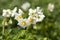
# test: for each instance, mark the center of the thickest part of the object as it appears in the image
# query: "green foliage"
(48, 29)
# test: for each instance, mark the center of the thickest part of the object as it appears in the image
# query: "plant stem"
(3, 23)
(3, 30)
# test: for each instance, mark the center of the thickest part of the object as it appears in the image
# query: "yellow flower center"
(19, 17)
(31, 19)
(23, 23)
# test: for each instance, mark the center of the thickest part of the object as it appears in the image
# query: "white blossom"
(31, 20)
(23, 23)
(50, 7)
(18, 17)
(39, 18)
(6, 13)
(25, 6)
(32, 12)
(9, 12)
(38, 9)
(20, 12)
(36, 14)
(13, 12)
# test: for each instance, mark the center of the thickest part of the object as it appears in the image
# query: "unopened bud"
(10, 21)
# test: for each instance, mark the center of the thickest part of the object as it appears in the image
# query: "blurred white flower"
(18, 17)
(6, 13)
(13, 12)
(32, 12)
(36, 15)
(25, 6)
(20, 12)
(31, 20)
(39, 18)
(23, 23)
(38, 9)
(50, 7)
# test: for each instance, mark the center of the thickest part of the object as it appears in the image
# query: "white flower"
(38, 9)
(13, 12)
(36, 15)
(6, 13)
(18, 17)
(20, 12)
(32, 12)
(39, 18)
(31, 20)
(23, 23)
(25, 6)
(50, 7)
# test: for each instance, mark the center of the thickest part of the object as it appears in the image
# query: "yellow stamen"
(31, 19)
(23, 23)
(19, 17)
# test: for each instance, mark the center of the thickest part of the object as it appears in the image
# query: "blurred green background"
(48, 29)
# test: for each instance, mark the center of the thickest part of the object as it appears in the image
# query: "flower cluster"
(35, 15)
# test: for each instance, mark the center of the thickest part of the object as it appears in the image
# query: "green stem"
(27, 28)
(3, 23)
(3, 30)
